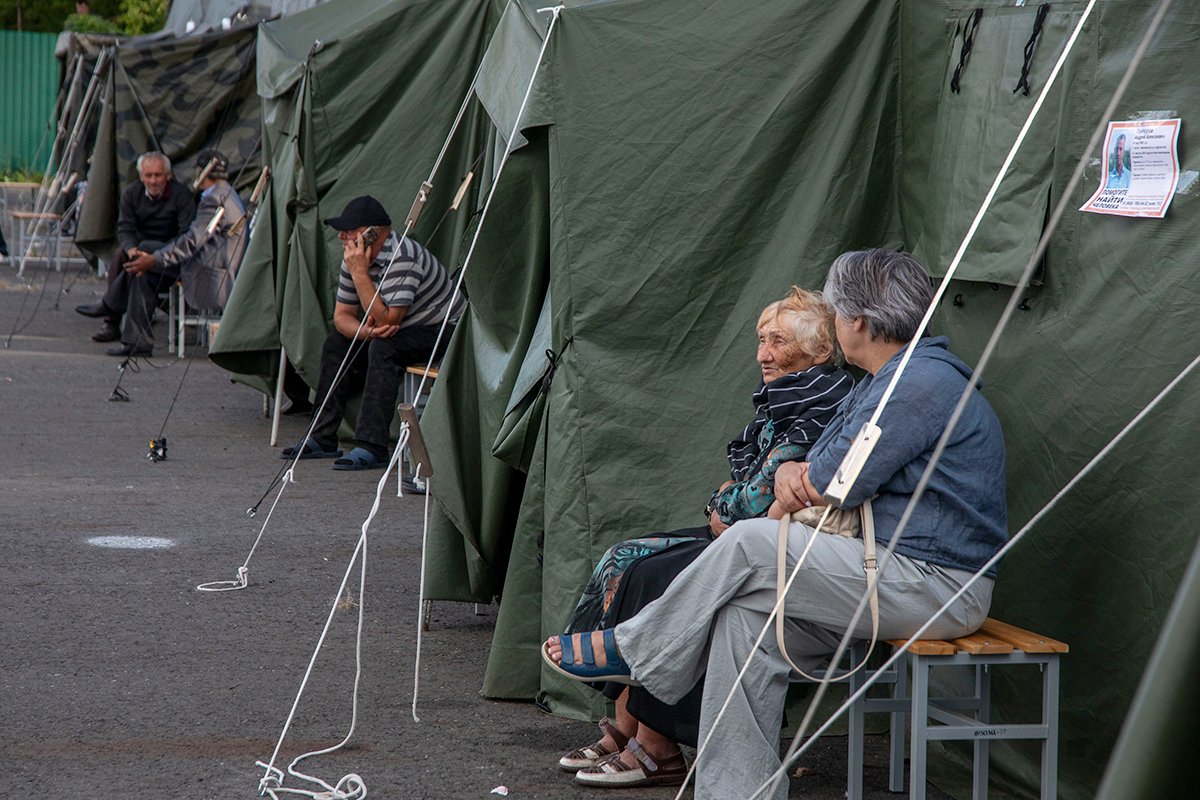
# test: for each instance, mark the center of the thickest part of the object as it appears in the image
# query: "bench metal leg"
(920, 726)
(172, 313)
(899, 725)
(857, 724)
(1050, 720)
(983, 692)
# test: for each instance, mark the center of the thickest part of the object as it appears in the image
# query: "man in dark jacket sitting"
(205, 257)
(154, 208)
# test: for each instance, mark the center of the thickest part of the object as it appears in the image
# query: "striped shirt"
(416, 280)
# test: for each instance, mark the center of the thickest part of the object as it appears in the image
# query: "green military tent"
(678, 167)
(684, 165)
(357, 98)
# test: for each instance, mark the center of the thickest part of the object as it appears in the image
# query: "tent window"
(977, 118)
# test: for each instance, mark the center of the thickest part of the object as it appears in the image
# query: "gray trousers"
(706, 623)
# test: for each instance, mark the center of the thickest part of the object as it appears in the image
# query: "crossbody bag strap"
(870, 566)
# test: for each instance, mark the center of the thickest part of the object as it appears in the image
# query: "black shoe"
(296, 407)
(130, 350)
(97, 309)
(107, 333)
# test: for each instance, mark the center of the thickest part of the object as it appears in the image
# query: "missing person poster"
(1140, 169)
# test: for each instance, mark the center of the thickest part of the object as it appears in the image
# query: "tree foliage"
(143, 16)
(51, 16)
(48, 16)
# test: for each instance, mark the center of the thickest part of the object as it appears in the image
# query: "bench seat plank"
(981, 644)
(927, 647)
(1021, 639)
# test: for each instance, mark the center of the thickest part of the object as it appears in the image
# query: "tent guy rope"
(858, 454)
(352, 787)
(286, 473)
(794, 750)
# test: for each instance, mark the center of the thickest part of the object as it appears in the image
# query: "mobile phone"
(370, 236)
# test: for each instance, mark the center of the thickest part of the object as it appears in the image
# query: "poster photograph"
(1139, 170)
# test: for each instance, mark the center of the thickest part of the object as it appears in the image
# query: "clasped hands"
(793, 490)
(138, 261)
(372, 331)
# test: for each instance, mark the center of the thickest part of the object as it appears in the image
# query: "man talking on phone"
(392, 296)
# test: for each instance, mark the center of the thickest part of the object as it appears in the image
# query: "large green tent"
(679, 166)
(357, 98)
(685, 164)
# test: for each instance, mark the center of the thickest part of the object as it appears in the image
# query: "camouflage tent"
(178, 96)
(186, 88)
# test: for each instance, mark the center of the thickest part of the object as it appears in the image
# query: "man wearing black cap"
(154, 209)
(401, 293)
(205, 256)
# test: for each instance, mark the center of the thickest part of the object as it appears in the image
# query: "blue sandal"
(308, 448)
(359, 458)
(615, 670)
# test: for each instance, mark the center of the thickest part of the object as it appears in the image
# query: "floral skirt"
(597, 595)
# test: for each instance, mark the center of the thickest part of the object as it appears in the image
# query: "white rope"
(243, 574)
(242, 579)
(554, 12)
(983, 208)
(271, 782)
(1043, 243)
(351, 786)
(972, 384)
(875, 416)
(421, 595)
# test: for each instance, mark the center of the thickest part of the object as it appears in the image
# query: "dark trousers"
(134, 297)
(644, 581)
(377, 367)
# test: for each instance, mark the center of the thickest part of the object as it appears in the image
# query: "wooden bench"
(958, 717)
(969, 718)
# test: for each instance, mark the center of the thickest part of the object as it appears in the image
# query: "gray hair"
(890, 291)
(151, 154)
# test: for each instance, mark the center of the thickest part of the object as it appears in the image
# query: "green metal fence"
(29, 76)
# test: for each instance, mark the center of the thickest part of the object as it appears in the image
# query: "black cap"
(360, 211)
(220, 170)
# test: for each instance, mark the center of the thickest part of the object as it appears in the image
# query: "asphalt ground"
(118, 679)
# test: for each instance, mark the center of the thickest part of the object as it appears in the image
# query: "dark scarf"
(795, 409)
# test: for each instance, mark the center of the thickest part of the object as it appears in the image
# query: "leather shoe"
(97, 309)
(107, 333)
(130, 350)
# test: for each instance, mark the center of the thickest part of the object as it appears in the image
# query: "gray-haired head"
(890, 291)
(154, 154)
